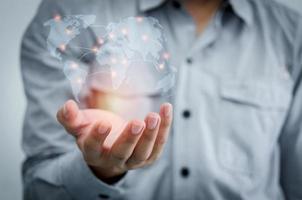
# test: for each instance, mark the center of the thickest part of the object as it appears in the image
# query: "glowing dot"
(74, 65)
(79, 80)
(57, 18)
(161, 66)
(124, 31)
(166, 55)
(124, 61)
(111, 35)
(95, 49)
(139, 18)
(62, 47)
(113, 60)
(101, 41)
(68, 31)
(145, 37)
(113, 74)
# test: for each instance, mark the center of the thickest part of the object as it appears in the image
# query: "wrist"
(109, 177)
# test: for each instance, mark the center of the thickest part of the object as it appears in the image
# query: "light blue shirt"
(237, 131)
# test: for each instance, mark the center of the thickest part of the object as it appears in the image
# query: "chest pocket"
(252, 115)
(264, 95)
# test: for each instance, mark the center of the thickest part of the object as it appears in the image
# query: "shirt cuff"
(80, 181)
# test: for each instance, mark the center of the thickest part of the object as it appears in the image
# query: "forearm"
(65, 177)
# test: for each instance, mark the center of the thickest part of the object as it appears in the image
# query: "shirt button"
(186, 114)
(185, 172)
(176, 5)
(189, 61)
(103, 196)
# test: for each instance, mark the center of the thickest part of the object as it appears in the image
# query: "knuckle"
(152, 159)
(118, 157)
(149, 162)
(138, 159)
(134, 164)
(155, 156)
(87, 146)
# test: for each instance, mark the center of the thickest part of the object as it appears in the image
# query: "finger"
(94, 140)
(145, 144)
(71, 117)
(166, 114)
(125, 144)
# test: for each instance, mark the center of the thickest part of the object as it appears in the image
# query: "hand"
(110, 145)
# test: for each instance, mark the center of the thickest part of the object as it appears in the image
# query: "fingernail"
(65, 111)
(167, 110)
(152, 122)
(136, 128)
(103, 129)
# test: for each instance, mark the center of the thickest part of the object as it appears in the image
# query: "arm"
(58, 165)
(54, 166)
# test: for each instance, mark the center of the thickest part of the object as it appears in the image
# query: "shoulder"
(275, 15)
(281, 26)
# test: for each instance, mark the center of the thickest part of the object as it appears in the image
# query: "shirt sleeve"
(54, 167)
(291, 138)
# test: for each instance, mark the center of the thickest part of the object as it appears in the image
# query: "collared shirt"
(237, 131)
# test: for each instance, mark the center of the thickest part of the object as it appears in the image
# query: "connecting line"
(79, 47)
(85, 54)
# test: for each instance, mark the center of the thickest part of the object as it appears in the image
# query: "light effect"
(57, 18)
(124, 61)
(124, 31)
(166, 56)
(130, 55)
(79, 81)
(145, 37)
(113, 74)
(95, 49)
(68, 31)
(111, 36)
(62, 47)
(113, 60)
(74, 65)
(101, 41)
(139, 19)
(161, 66)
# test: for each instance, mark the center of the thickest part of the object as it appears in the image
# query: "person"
(236, 133)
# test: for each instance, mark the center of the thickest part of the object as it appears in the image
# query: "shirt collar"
(145, 5)
(241, 8)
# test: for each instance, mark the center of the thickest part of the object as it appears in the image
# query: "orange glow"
(57, 18)
(95, 49)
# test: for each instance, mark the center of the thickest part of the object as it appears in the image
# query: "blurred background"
(14, 17)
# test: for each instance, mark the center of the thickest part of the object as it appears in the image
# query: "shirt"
(237, 131)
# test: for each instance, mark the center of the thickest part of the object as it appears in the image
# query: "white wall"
(14, 16)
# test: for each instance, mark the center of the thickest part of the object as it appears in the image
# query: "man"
(237, 131)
